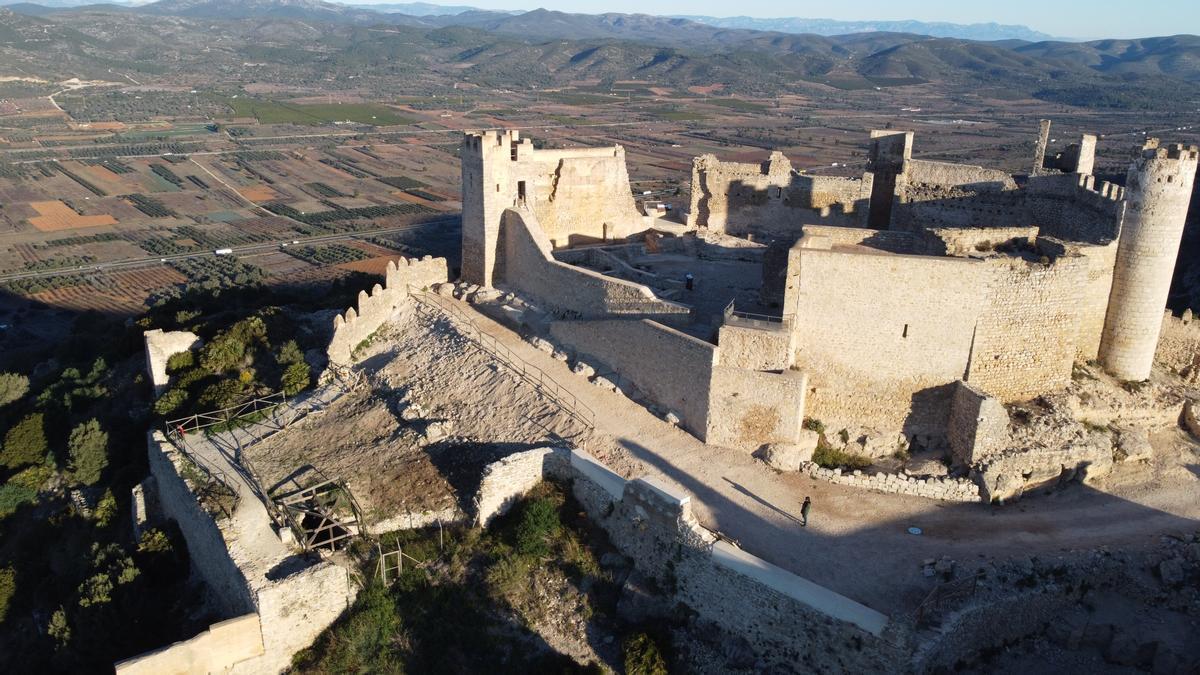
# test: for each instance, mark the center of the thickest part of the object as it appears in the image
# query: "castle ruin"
(877, 295)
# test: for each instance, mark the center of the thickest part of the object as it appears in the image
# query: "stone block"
(1134, 445)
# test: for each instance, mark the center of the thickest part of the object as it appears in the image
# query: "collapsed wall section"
(162, 345)
(374, 309)
(772, 200)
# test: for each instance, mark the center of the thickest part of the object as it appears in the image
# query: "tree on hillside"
(89, 452)
(25, 443)
(12, 387)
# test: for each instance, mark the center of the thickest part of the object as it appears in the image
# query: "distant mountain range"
(973, 31)
(352, 11)
(544, 48)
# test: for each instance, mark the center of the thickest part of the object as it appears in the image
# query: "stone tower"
(890, 154)
(1158, 190)
(486, 192)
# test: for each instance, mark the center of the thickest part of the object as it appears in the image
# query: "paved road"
(264, 247)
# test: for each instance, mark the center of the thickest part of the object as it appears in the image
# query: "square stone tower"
(486, 192)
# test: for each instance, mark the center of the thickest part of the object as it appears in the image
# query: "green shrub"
(814, 425)
(642, 656)
(363, 641)
(170, 401)
(289, 353)
(832, 458)
(177, 362)
(13, 387)
(13, 496)
(59, 628)
(89, 452)
(33, 477)
(8, 588)
(539, 524)
(296, 378)
(106, 509)
(25, 443)
(223, 394)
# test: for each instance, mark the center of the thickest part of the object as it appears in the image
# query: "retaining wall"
(942, 488)
(790, 621)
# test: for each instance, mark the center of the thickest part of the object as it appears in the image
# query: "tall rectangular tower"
(486, 193)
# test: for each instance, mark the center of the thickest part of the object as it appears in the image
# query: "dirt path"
(857, 542)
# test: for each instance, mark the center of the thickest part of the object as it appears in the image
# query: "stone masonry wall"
(224, 644)
(161, 346)
(373, 310)
(292, 608)
(943, 488)
(978, 425)
(749, 409)
(789, 621)
(206, 546)
(529, 268)
(672, 368)
(756, 348)
(881, 336)
(1025, 339)
(770, 199)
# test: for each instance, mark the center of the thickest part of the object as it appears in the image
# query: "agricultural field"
(280, 112)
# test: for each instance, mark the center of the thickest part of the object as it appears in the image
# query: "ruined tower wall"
(579, 195)
(770, 199)
(1074, 207)
(565, 289)
(1159, 190)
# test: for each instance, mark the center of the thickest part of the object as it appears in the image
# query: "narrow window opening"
(521, 190)
(905, 333)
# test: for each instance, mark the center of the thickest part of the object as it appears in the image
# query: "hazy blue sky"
(1074, 18)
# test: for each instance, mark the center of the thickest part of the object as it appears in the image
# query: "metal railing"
(542, 382)
(226, 416)
(734, 316)
(212, 472)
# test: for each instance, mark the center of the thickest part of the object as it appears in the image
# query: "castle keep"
(873, 296)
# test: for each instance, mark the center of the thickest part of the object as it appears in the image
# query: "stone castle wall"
(749, 408)
(674, 369)
(1159, 191)
(223, 645)
(579, 195)
(291, 608)
(1025, 338)
(978, 425)
(881, 335)
(206, 545)
(529, 267)
(787, 619)
(374, 309)
(772, 200)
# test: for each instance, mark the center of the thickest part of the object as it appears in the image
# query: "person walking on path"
(804, 509)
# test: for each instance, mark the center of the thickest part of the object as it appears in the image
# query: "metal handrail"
(205, 420)
(732, 312)
(540, 380)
